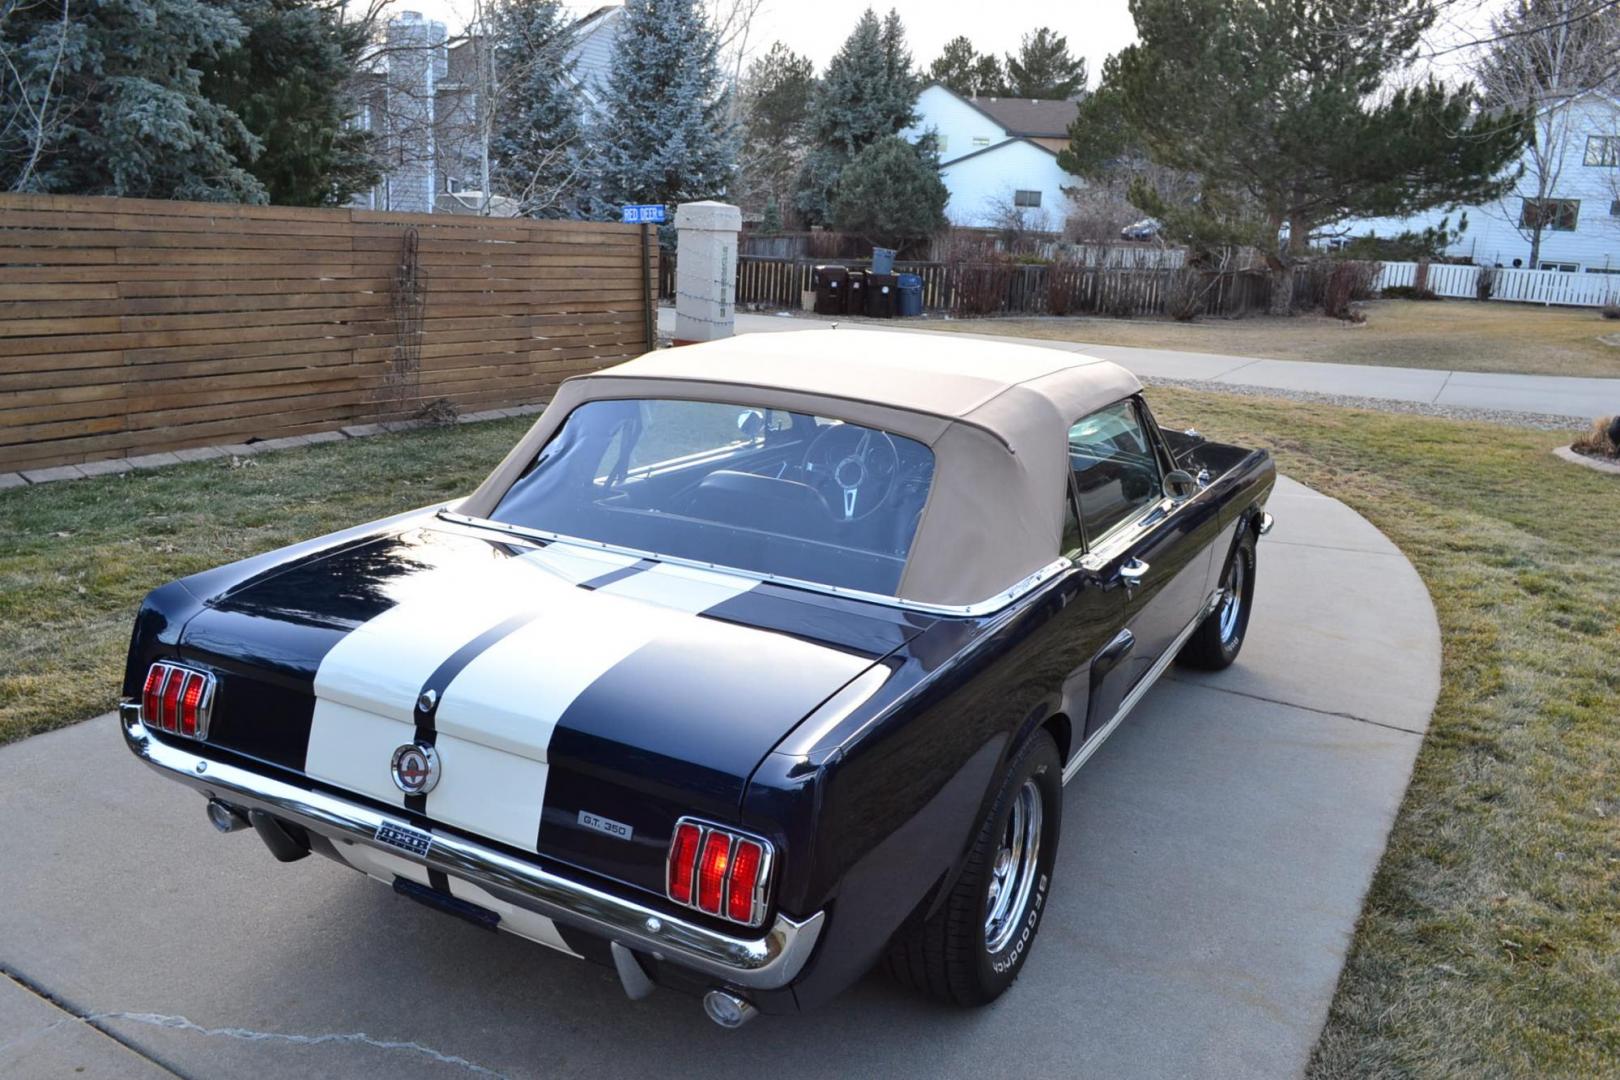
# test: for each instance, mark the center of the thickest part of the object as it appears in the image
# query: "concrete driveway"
(1214, 861)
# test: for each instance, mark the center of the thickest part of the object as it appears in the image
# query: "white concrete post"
(705, 271)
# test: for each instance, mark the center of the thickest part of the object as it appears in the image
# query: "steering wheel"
(855, 467)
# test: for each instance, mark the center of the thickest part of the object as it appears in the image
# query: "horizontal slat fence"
(131, 326)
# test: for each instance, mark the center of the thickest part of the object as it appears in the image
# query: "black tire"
(1219, 638)
(949, 956)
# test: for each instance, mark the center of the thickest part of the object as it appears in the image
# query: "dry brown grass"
(1454, 335)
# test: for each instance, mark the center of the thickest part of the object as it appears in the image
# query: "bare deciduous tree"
(1545, 54)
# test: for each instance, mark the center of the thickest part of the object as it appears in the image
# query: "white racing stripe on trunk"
(682, 588)
(495, 718)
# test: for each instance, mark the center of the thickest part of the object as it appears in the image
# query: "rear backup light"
(177, 699)
(719, 871)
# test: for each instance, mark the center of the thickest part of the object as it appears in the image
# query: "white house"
(1580, 208)
(591, 58)
(998, 155)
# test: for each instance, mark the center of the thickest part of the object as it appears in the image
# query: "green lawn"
(1490, 944)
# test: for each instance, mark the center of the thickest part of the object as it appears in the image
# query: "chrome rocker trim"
(765, 963)
(1143, 685)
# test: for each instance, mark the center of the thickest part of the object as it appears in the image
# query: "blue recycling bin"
(883, 260)
(910, 299)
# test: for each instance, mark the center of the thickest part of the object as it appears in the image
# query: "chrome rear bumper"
(757, 963)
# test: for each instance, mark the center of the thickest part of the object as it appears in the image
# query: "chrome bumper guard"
(764, 963)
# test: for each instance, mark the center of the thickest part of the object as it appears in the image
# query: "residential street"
(1215, 854)
(1554, 395)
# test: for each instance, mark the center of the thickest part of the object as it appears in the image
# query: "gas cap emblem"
(415, 768)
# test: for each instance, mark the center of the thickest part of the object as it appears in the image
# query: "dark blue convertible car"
(754, 664)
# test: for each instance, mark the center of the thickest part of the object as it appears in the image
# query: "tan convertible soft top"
(996, 416)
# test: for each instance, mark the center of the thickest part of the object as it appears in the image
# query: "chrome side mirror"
(1179, 484)
(751, 423)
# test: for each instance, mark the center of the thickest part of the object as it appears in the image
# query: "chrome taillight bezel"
(155, 713)
(762, 881)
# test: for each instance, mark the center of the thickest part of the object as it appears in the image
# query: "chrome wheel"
(1014, 869)
(1232, 601)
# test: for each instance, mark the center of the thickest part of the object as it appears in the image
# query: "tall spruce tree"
(962, 68)
(289, 82)
(1284, 113)
(537, 148)
(1044, 68)
(663, 132)
(868, 91)
(107, 99)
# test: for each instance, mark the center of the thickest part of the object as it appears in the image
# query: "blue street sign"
(652, 212)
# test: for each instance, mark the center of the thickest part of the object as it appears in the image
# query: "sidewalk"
(1551, 394)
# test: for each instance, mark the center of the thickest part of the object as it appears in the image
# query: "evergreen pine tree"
(110, 102)
(1284, 114)
(962, 68)
(663, 132)
(1044, 68)
(536, 146)
(776, 104)
(890, 195)
(869, 91)
(288, 82)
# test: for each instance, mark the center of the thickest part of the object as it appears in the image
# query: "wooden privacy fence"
(130, 326)
(1506, 283)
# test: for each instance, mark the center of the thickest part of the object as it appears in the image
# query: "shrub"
(1601, 440)
(1611, 310)
(1184, 295)
(1408, 292)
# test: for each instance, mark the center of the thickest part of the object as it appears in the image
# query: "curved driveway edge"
(1215, 856)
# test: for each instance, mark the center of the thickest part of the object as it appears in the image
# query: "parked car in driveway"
(753, 664)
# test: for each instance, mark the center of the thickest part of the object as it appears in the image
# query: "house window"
(980, 141)
(1559, 215)
(1565, 268)
(1026, 198)
(1603, 149)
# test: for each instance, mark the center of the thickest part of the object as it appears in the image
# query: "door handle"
(1133, 571)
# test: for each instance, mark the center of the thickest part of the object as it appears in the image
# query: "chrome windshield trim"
(987, 606)
(768, 962)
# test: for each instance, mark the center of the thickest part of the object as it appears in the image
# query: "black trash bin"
(882, 290)
(855, 302)
(831, 284)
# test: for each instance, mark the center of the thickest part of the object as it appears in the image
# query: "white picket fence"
(1525, 286)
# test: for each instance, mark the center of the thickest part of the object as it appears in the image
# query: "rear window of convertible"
(762, 490)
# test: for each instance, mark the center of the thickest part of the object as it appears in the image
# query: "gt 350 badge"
(606, 825)
(415, 768)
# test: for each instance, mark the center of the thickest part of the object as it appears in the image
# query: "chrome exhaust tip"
(727, 1009)
(225, 817)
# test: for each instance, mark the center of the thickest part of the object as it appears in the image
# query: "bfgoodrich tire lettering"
(964, 954)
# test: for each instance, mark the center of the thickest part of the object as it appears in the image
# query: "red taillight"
(177, 699)
(169, 714)
(152, 694)
(712, 871)
(190, 701)
(683, 862)
(719, 871)
(745, 860)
